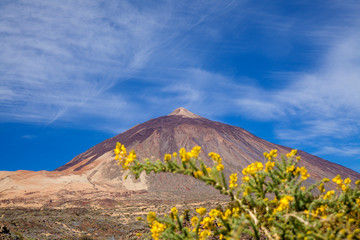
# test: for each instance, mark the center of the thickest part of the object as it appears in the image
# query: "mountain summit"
(184, 112)
(94, 174)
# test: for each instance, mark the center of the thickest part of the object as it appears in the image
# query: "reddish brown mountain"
(94, 174)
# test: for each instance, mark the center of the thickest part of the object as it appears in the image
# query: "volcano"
(94, 174)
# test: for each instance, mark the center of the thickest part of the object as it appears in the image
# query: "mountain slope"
(94, 174)
(182, 128)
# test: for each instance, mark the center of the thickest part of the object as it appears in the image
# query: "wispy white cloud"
(342, 151)
(30, 137)
(317, 108)
(57, 56)
(63, 57)
(324, 100)
(309, 130)
(207, 93)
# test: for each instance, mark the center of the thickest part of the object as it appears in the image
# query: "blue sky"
(74, 73)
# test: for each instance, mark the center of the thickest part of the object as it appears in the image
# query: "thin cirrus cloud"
(58, 56)
(323, 103)
(330, 92)
(344, 151)
(112, 60)
(61, 56)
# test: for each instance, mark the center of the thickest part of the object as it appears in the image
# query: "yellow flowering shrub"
(271, 202)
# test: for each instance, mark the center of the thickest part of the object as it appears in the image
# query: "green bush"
(271, 200)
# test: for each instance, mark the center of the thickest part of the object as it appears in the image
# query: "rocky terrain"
(107, 220)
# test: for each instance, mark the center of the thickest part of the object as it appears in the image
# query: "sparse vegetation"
(120, 222)
(85, 237)
(270, 202)
(28, 223)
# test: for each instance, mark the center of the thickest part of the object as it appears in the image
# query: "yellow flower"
(233, 180)
(235, 212)
(245, 179)
(208, 169)
(292, 153)
(272, 154)
(167, 157)
(347, 181)
(201, 211)
(204, 234)
(194, 221)
(117, 151)
(195, 151)
(132, 156)
(126, 161)
(120, 152)
(175, 154)
(303, 172)
(253, 168)
(340, 182)
(344, 187)
(151, 217)
(182, 151)
(302, 188)
(321, 211)
(284, 203)
(286, 200)
(198, 174)
(220, 167)
(290, 169)
(174, 211)
(227, 214)
(208, 223)
(306, 212)
(329, 194)
(321, 187)
(215, 157)
(156, 229)
(121, 155)
(214, 213)
(259, 166)
(269, 165)
(185, 156)
(337, 180)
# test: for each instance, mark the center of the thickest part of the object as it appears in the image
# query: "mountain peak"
(184, 113)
